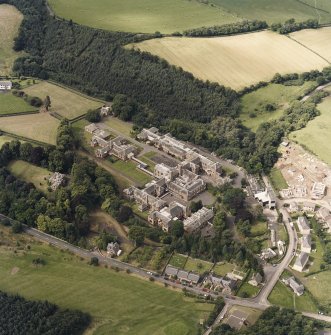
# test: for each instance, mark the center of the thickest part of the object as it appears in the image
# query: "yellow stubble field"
(235, 61)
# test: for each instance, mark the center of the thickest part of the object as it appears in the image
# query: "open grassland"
(316, 135)
(31, 174)
(235, 61)
(119, 303)
(283, 296)
(278, 11)
(317, 40)
(147, 16)
(9, 104)
(118, 125)
(254, 104)
(10, 20)
(65, 102)
(40, 127)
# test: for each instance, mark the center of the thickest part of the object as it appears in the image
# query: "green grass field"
(10, 20)
(316, 135)
(65, 102)
(223, 268)
(119, 303)
(40, 127)
(278, 11)
(259, 228)
(146, 16)
(283, 296)
(254, 104)
(277, 179)
(250, 290)
(4, 139)
(30, 173)
(130, 170)
(178, 261)
(116, 124)
(198, 265)
(9, 104)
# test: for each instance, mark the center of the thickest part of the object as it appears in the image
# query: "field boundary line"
(316, 53)
(18, 114)
(74, 91)
(25, 139)
(314, 7)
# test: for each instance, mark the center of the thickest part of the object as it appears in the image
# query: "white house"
(301, 262)
(306, 244)
(5, 85)
(303, 225)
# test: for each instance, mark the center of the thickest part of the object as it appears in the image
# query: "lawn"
(118, 125)
(198, 265)
(9, 104)
(235, 61)
(146, 158)
(250, 290)
(259, 228)
(178, 261)
(277, 179)
(317, 40)
(119, 303)
(65, 102)
(130, 170)
(254, 104)
(10, 20)
(147, 16)
(283, 296)
(40, 127)
(223, 268)
(278, 11)
(30, 173)
(316, 135)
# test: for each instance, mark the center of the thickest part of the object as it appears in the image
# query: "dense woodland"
(275, 321)
(95, 62)
(19, 316)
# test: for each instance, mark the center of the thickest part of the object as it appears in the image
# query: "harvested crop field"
(10, 20)
(65, 102)
(235, 61)
(318, 40)
(40, 127)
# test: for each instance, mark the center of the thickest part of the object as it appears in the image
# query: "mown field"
(235, 61)
(9, 104)
(147, 16)
(316, 135)
(40, 127)
(119, 303)
(317, 40)
(283, 296)
(31, 174)
(10, 20)
(254, 104)
(64, 102)
(278, 11)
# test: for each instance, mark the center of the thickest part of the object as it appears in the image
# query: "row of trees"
(227, 29)
(19, 316)
(291, 25)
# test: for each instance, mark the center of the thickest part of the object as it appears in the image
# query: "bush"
(17, 228)
(94, 261)
(93, 116)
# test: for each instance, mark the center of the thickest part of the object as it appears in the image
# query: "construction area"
(306, 176)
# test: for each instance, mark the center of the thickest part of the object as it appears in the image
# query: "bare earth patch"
(14, 270)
